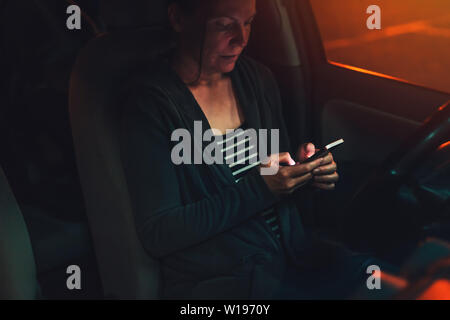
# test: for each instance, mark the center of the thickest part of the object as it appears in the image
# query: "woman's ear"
(176, 17)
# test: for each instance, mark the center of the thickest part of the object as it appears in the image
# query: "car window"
(411, 44)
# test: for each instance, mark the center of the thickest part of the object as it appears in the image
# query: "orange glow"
(443, 106)
(394, 281)
(373, 73)
(414, 27)
(412, 44)
(439, 290)
(444, 145)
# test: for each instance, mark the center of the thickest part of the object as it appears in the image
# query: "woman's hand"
(325, 176)
(290, 177)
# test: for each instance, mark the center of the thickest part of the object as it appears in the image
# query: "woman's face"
(228, 25)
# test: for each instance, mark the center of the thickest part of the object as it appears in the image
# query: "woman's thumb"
(285, 157)
(307, 150)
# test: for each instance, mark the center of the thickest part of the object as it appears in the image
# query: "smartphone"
(324, 151)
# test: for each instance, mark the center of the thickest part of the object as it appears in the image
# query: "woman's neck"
(188, 70)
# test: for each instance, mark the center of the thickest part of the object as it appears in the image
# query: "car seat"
(17, 267)
(138, 33)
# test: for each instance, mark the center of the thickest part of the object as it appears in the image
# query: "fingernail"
(316, 171)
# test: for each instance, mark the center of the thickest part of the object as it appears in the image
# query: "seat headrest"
(120, 14)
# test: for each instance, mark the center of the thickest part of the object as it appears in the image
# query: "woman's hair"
(188, 6)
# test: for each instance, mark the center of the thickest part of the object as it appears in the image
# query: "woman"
(221, 231)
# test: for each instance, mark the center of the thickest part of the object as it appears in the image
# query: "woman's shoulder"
(255, 69)
(151, 86)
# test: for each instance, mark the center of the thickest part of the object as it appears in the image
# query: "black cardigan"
(203, 226)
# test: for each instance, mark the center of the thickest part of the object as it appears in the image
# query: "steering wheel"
(373, 220)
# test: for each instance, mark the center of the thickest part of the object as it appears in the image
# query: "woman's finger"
(285, 157)
(325, 169)
(328, 159)
(275, 159)
(332, 178)
(303, 168)
(324, 186)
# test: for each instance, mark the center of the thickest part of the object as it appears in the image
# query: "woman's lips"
(230, 58)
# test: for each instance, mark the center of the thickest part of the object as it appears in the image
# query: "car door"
(375, 87)
(372, 87)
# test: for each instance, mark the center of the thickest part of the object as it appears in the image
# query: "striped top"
(239, 150)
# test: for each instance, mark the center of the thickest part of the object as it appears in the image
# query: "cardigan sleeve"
(272, 93)
(164, 223)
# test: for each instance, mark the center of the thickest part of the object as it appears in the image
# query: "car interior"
(64, 199)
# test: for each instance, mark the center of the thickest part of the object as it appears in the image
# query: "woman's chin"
(227, 67)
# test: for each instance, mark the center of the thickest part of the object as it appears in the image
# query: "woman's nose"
(241, 36)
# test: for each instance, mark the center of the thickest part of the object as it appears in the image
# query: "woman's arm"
(164, 223)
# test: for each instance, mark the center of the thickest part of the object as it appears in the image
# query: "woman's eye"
(224, 27)
(249, 23)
